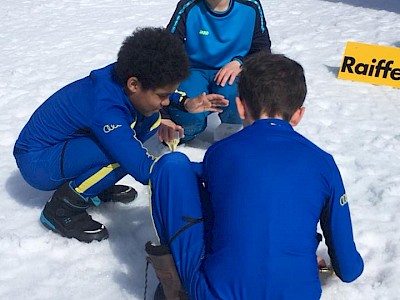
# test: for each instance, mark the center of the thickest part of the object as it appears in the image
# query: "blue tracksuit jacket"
(87, 125)
(265, 190)
(269, 187)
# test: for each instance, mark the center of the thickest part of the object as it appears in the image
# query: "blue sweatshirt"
(269, 188)
(94, 106)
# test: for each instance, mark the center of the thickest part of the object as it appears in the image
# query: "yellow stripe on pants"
(95, 178)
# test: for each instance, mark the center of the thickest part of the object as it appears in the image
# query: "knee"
(175, 158)
(229, 91)
(172, 162)
(230, 114)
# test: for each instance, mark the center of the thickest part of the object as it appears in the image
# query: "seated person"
(90, 134)
(218, 35)
(243, 224)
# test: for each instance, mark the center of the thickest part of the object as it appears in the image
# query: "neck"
(218, 5)
(248, 121)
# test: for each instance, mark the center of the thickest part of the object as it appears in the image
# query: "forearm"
(337, 228)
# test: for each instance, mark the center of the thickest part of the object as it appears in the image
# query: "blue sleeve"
(337, 228)
(177, 100)
(112, 126)
(261, 39)
(177, 23)
(148, 127)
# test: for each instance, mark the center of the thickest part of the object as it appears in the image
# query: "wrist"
(239, 59)
(182, 104)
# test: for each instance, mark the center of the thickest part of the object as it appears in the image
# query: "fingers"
(160, 136)
(222, 102)
(206, 102)
(227, 73)
(227, 76)
(218, 77)
(180, 130)
(162, 133)
(217, 100)
(222, 77)
(233, 77)
(321, 262)
(215, 97)
(167, 129)
(215, 109)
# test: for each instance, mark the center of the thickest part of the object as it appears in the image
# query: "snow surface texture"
(47, 44)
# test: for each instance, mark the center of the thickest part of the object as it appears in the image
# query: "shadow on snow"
(130, 226)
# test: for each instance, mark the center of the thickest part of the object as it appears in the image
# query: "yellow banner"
(371, 63)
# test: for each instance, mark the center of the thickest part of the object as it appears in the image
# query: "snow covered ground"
(46, 44)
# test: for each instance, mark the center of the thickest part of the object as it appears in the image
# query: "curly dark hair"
(154, 56)
(272, 84)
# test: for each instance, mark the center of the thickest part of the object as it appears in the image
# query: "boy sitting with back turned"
(244, 226)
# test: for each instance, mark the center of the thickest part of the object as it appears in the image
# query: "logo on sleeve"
(110, 127)
(343, 200)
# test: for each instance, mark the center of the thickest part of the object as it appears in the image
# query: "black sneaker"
(65, 213)
(118, 193)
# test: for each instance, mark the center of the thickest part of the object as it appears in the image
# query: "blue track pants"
(177, 211)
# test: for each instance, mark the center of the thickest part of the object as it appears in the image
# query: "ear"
(241, 108)
(132, 84)
(297, 116)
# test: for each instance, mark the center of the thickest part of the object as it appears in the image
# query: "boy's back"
(267, 187)
(267, 195)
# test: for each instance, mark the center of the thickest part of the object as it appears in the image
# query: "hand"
(323, 267)
(321, 262)
(228, 72)
(206, 102)
(167, 129)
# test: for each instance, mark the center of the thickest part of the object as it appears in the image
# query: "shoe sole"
(127, 196)
(124, 197)
(86, 237)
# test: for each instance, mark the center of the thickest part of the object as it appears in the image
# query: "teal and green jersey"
(212, 39)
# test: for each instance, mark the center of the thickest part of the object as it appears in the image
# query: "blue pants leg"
(82, 161)
(230, 113)
(198, 82)
(177, 214)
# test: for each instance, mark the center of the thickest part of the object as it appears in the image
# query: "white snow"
(47, 44)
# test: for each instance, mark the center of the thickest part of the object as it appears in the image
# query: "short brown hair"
(272, 84)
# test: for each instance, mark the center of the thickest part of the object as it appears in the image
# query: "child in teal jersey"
(218, 35)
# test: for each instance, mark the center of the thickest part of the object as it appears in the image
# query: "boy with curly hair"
(90, 134)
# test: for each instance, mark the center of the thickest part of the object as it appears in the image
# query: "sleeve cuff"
(238, 58)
